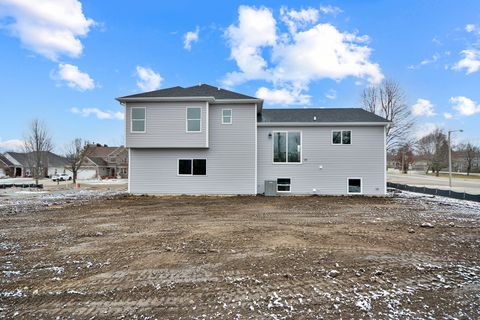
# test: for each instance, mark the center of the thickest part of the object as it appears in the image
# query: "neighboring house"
(22, 164)
(6, 167)
(207, 140)
(104, 161)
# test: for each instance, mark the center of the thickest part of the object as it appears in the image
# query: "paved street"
(420, 179)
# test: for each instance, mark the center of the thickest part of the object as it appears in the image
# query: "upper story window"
(226, 116)
(287, 147)
(194, 119)
(138, 119)
(341, 137)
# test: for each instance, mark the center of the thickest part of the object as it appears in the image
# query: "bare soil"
(139, 257)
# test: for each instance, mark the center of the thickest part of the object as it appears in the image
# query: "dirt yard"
(127, 257)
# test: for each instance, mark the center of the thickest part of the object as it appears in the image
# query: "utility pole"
(450, 157)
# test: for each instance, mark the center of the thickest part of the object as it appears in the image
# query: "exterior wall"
(165, 126)
(364, 158)
(230, 159)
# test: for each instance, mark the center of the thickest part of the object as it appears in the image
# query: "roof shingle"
(319, 115)
(202, 90)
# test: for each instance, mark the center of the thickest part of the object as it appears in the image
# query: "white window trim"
(131, 120)
(301, 148)
(191, 174)
(186, 119)
(341, 136)
(285, 185)
(361, 185)
(231, 116)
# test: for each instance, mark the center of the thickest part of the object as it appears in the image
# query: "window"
(194, 119)
(226, 116)
(138, 119)
(192, 167)
(287, 147)
(283, 185)
(342, 137)
(354, 185)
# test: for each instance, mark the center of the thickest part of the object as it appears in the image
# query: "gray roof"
(7, 162)
(202, 90)
(52, 159)
(319, 115)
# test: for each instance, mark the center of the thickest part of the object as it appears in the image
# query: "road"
(468, 185)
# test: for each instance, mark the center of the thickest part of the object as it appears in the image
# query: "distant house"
(6, 167)
(21, 164)
(104, 161)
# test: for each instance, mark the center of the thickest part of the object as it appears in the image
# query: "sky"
(64, 62)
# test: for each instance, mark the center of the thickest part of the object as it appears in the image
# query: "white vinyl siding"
(325, 167)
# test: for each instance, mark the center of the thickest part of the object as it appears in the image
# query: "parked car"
(62, 177)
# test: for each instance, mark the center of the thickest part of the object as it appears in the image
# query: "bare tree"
(37, 144)
(434, 147)
(404, 157)
(76, 152)
(469, 152)
(388, 100)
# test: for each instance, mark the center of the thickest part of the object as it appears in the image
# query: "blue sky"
(65, 61)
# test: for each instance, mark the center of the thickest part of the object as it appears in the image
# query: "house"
(104, 161)
(21, 164)
(207, 140)
(6, 167)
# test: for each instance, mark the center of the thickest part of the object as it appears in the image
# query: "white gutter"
(320, 124)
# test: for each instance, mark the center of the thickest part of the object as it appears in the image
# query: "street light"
(450, 157)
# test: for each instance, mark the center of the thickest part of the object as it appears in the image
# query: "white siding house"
(206, 140)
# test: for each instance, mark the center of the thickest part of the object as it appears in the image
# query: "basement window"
(283, 185)
(192, 167)
(354, 185)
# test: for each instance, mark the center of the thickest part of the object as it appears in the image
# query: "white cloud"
(470, 27)
(256, 29)
(100, 114)
(48, 27)
(447, 115)
(425, 129)
(423, 107)
(282, 96)
(331, 94)
(189, 38)
(12, 145)
(309, 51)
(470, 61)
(75, 78)
(330, 10)
(148, 80)
(298, 19)
(464, 105)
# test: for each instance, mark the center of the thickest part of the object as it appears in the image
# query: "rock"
(168, 249)
(411, 230)
(451, 224)
(426, 225)
(333, 273)
(378, 272)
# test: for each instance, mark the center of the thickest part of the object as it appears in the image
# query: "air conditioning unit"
(270, 188)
